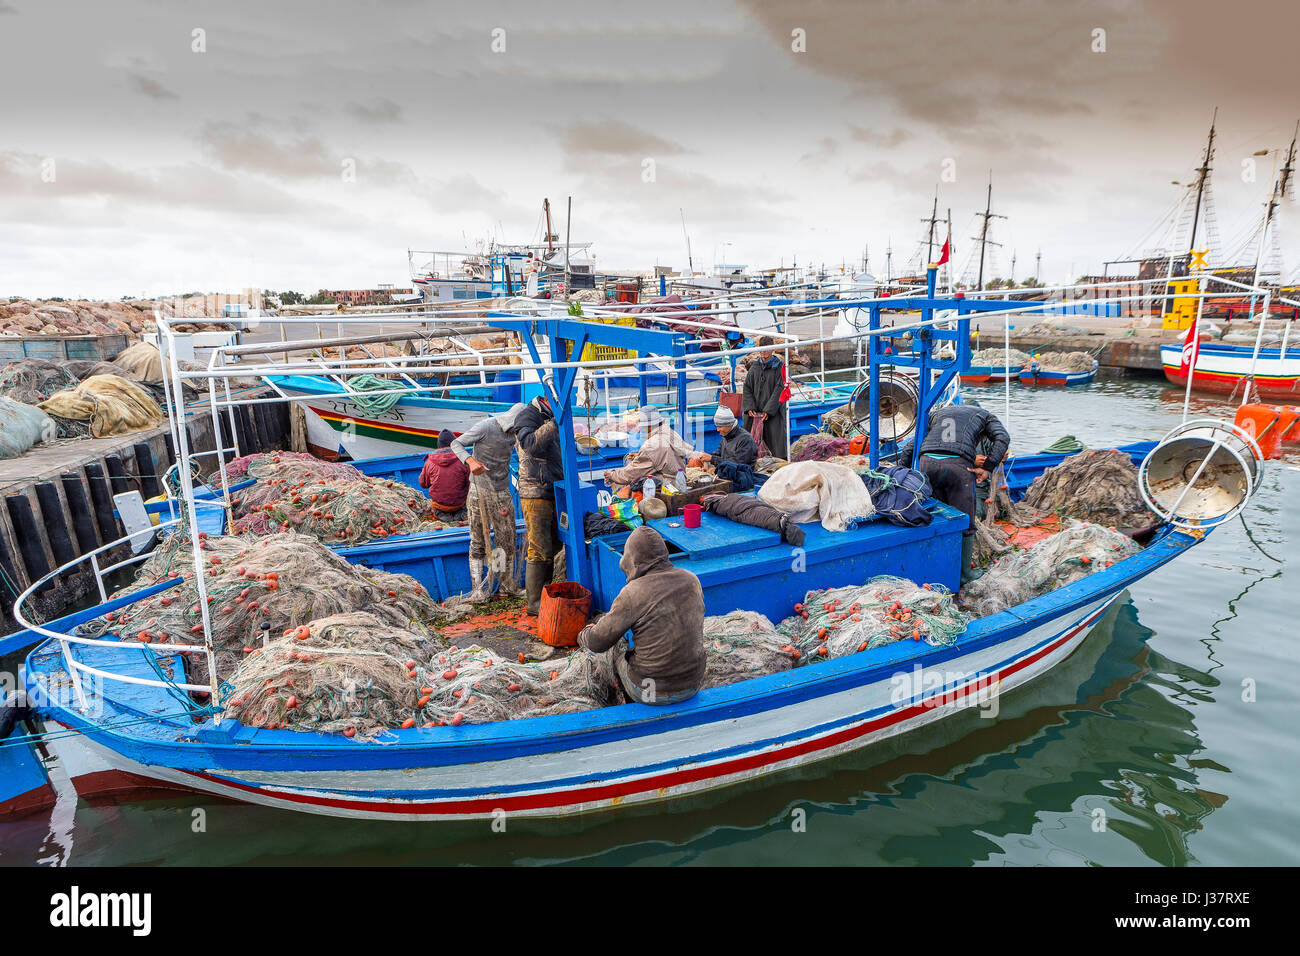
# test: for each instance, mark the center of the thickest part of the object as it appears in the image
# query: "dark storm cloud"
(880, 138)
(151, 87)
(379, 111)
(49, 180)
(779, 150)
(615, 137)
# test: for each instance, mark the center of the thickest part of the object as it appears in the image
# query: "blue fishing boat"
(121, 719)
(1052, 377)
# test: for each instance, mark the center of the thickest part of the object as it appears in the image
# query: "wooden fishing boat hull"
(1056, 379)
(413, 424)
(602, 759)
(987, 374)
(1222, 368)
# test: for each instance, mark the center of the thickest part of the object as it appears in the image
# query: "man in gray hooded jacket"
(663, 606)
(489, 503)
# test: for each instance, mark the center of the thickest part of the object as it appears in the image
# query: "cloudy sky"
(151, 146)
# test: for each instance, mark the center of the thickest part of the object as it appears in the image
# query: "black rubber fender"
(82, 520)
(145, 468)
(56, 528)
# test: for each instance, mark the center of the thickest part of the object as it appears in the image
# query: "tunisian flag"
(943, 254)
(1191, 350)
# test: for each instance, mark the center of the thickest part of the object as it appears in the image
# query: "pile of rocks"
(24, 318)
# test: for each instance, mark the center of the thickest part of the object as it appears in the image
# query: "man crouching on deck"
(664, 608)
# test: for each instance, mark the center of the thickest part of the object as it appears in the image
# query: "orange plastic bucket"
(563, 613)
(856, 444)
(1261, 423)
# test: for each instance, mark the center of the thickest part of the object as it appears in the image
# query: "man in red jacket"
(447, 478)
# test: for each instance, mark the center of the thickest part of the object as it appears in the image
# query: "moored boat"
(107, 712)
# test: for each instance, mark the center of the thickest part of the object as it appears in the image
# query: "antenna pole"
(690, 262)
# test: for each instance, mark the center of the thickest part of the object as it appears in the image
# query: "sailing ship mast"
(983, 237)
(1280, 186)
(1202, 177)
(931, 223)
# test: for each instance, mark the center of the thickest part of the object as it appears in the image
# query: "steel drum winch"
(1201, 473)
(898, 404)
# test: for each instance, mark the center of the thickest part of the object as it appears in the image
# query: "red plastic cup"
(691, 515)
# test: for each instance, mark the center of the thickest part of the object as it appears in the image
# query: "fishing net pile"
(344, 673)
(31, 381)
(1099, 486)
(1064, 361)
(474, 684)
(21, 427)
(841, 422)
(289, 464)
(1095, 485)
(329, 500)
(741, 645)
(819, 446)
(1040, 329)
(110, 404)
(837, 621)
(999, 358)
(257, 588)
(1054, 562)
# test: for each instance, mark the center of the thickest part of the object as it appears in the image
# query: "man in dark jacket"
(537, 441)
(950, 458)
(737, 444)
(664, 608)
(765, 397)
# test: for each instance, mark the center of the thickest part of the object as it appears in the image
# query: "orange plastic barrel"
(563, 613)
(1261, 423)
(1288, 425)
(857, 444)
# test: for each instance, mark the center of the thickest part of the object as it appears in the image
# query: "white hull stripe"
(699, 776)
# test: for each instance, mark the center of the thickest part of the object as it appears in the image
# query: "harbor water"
(1168, 738)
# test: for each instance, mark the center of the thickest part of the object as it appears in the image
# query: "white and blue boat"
(99, 707)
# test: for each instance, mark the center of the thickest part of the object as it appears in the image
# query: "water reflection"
(1097, 762)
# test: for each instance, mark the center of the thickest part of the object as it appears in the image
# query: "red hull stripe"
(541, 801)
(388, 427)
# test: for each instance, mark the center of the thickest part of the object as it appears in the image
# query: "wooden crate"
(59, 348)
(694, 496)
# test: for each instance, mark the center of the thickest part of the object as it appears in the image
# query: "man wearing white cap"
(662, 456)
(737, 444)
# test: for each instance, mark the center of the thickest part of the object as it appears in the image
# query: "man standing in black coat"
(537, 441)
(765, 396)
(950, 458)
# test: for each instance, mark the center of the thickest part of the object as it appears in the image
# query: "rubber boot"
(969, 573)
(479, 579)
(537, 574)
(509, 583)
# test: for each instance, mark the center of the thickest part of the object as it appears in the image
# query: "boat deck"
(743, 566)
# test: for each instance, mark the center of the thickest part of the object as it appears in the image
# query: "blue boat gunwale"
(238, 747)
